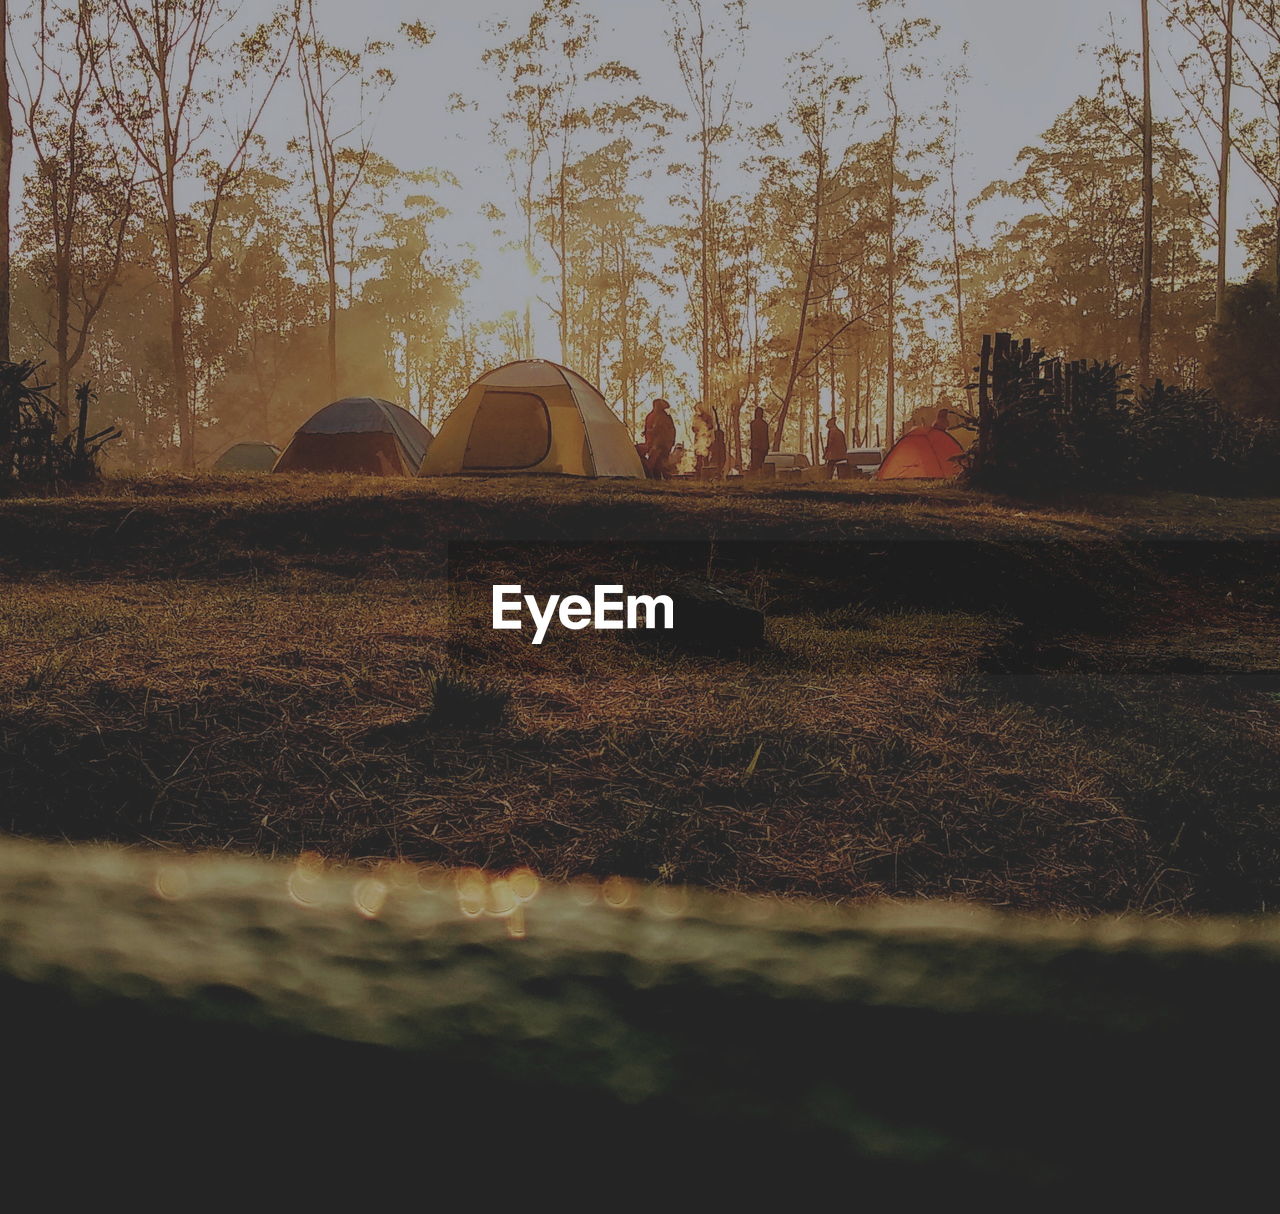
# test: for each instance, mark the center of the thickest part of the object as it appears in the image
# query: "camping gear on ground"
(361, 434)
(247, 457)
(778, 460)
(866, 459)
(791, 466)
(532, 417)
(924, 453)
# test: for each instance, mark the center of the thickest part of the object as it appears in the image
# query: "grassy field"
(1070, 708)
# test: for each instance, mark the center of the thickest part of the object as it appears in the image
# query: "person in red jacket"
(659, 439)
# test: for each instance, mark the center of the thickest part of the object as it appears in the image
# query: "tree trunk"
(331, 337)
(530, 265)
(704, 386)
(891, 271)
(331, 268)
(1224, 165)
(797, 353)
(62, 345)
(1148, 206)
(870, 402)
(177, 340)
(962, 339)
(817, 408)
(1276, 256)
(1275, 269)
(563, 251)
(855, 370)
(6, 172)
(181, 377)
(734, 436)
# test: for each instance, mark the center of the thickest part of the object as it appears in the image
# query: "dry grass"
(255, 667)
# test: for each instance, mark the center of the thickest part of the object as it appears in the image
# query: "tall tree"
(164, 69)
(737, 291)
(6, 174)
(1203, 87)
(341, 89)
(417, 290)
(252, 304)
(1224, 159)
(950, 213)
(708, 53)
(1070, 267)
(1148, 205)
(1257, 140)
(898, 41)
(568, 114)
(80, 199)
(805, 180)
(612, 284)
(544, 65)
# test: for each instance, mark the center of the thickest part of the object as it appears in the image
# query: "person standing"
(836, 449)
(719, 454)
(759, 440)
(659, 439)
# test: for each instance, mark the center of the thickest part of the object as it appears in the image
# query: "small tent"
(247, 457)
(533, 417)
(925, 453)
(360, 434)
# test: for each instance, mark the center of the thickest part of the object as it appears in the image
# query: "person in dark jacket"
(659, 439)
(719, 454)
(836, 449)
(759, 440)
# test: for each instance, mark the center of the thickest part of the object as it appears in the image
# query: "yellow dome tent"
(532, 418)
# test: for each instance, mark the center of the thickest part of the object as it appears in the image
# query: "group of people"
(659, 444)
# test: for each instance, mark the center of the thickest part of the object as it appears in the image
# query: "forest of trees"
(215, 284)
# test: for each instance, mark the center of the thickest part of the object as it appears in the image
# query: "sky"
(1017, 88)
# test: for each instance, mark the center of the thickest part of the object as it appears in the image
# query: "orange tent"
(925, 453)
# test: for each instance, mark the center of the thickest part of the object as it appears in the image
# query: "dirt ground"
(1070, 709)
